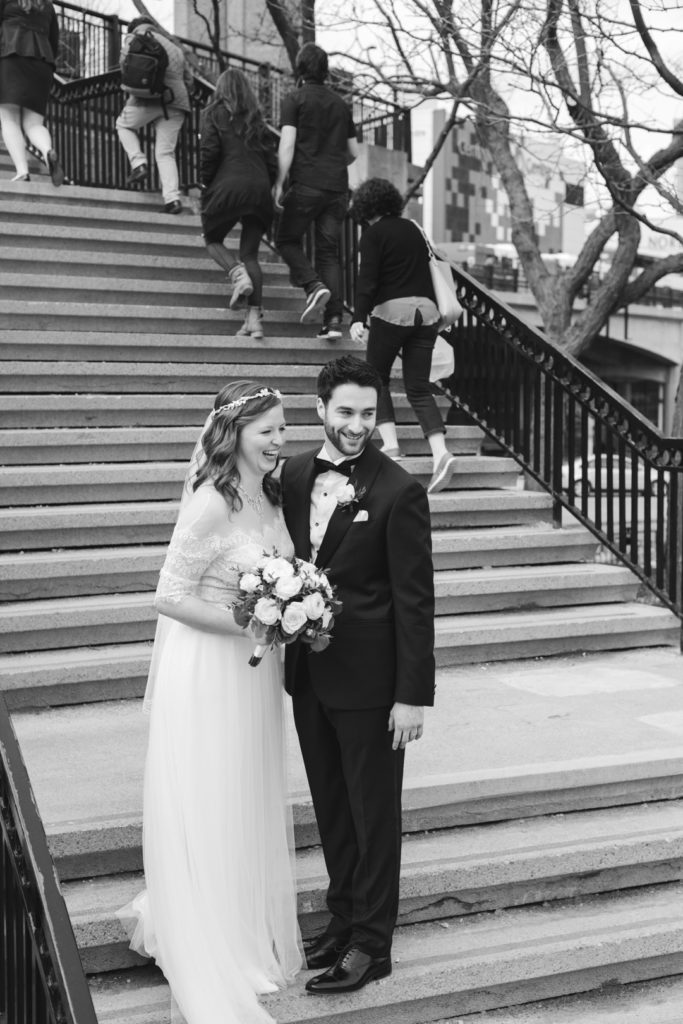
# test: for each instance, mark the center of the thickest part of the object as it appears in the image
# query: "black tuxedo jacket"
(382, 647)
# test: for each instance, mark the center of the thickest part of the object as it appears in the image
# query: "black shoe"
(325, 950)
(352, 971)
(138, 174)
(330, 330)
(316, 300)
(55, 168)
(174, 207)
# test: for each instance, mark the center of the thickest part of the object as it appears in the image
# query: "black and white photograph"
(341, 512)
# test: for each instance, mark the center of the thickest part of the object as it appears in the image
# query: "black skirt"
(26, 82)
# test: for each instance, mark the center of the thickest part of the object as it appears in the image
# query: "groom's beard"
(345, 445)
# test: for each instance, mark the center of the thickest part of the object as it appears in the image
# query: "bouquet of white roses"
(282, 599)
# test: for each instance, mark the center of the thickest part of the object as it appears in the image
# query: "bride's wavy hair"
(221, 440)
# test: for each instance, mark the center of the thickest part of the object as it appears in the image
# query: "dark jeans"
(304, 206)
(385, 341)
(355, 779)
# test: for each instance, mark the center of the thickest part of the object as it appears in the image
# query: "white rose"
(267, 611)
(307, 570)
(313, 605)
(347, 494)
(294, 617)
(326, 618)
(288, 586)
(276, 568)
(250, 582)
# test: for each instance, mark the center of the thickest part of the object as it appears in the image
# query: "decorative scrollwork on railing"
(596, 454)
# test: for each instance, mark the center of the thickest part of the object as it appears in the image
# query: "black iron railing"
(598, 457)
(82, 116)
(90, 44)
(41, 977)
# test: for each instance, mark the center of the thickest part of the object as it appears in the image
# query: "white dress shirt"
(327, 488)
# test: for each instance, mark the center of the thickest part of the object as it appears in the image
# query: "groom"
(357, 704)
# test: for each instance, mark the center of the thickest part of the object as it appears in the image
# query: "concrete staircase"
(114, 337)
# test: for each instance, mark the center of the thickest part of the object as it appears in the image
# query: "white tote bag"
(443, 360)
(443, 284)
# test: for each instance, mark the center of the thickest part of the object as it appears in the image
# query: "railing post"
(113, 41)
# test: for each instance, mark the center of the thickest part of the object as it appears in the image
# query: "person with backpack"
(158, 81)
(237, 168)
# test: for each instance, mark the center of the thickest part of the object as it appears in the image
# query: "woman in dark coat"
(238, 166)
(29, 36)
(394, 293)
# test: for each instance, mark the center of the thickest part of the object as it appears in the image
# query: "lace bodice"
(209, 552)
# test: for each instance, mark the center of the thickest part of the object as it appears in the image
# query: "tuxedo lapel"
(362, 478)
(299, 502)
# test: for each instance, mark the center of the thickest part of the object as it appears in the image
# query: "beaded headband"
(263, 393)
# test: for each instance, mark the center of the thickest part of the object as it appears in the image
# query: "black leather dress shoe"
(325, 950)
(353, 969)
(173, 207)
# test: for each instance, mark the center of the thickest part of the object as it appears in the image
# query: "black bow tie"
(323, 466)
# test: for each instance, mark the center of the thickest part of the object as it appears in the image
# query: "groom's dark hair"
(346, 370)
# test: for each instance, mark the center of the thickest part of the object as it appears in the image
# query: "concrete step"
(517, 588)
(60, 290)
(512, 545)
(649, 1002)
(460, 639)
(481, 637)
(26, 575)
(145, 410)
(133, 266)
(445, 875)
(132, 319)
(179, 237)
(94, 346)
(157, 481)
(100, 523)
(57, 211)
(487, 508)
(477, 963)
(80, 675)
(46, 575)
(95, 525)
(29, 377)
(45, 446)
(42, 191)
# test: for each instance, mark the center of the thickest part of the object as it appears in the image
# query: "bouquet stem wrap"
(259, 651)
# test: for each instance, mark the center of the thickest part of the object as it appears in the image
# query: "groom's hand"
(407, 722)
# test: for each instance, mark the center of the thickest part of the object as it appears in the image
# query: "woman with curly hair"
(238, 165)
(29, 36)
(394, 293)
(218, 913)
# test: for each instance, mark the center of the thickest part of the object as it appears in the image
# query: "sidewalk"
(509, 719)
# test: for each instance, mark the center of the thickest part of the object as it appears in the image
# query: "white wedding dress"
(219, 910)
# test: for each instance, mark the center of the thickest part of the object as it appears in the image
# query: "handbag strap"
(428, 242)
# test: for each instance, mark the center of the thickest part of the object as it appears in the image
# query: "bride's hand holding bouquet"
(285, 599)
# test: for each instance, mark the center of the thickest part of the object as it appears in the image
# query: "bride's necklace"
(254, 502)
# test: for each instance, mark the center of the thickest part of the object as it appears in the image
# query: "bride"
(219, 910)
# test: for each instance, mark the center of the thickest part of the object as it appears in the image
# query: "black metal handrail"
(90, 44)
(41, 976)
(82, 116)
(597, 455)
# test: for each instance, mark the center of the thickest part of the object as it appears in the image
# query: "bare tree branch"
(671, 80)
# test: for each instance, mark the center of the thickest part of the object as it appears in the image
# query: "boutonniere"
(349, 496)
